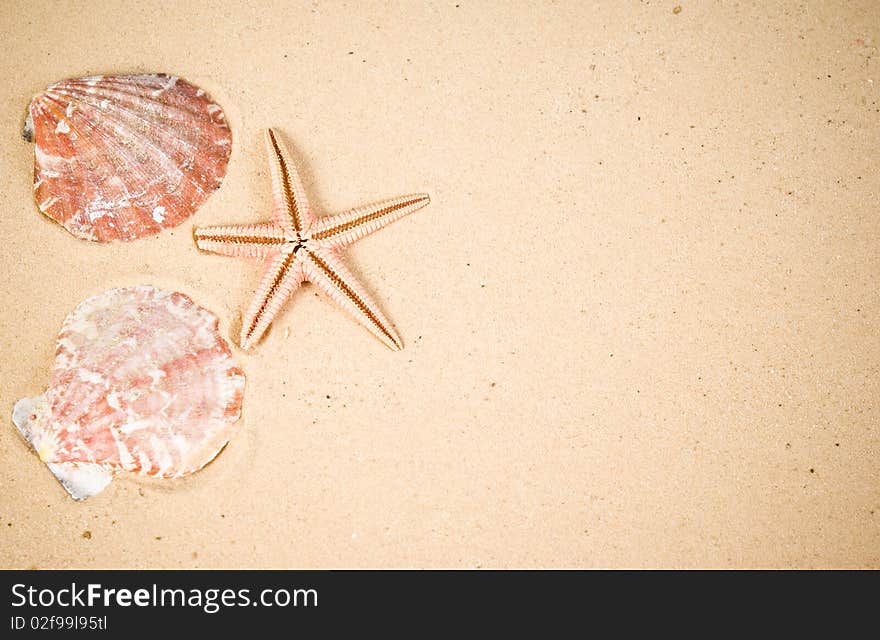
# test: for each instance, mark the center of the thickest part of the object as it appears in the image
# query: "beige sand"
(641, 313)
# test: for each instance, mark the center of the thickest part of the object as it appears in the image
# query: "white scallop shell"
(142, 382)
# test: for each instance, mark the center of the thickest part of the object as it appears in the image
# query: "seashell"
(123, 157)
(142, 382)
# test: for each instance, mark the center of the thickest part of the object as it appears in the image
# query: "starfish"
(297, 246)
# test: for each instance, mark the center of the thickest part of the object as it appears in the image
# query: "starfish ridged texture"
(297, 246)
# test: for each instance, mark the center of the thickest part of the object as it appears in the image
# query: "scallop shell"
(142, 382)
(123, 157)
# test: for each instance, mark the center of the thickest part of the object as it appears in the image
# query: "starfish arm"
(325, 269)
(345, 228)
(290, 207)
(248, 241)
(281, 277)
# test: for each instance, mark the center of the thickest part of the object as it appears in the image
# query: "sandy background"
(640, 314)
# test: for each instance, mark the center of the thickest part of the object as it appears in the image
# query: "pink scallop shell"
(142, 382)
(123, 157)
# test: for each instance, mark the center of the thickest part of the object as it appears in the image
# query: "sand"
(640, 314)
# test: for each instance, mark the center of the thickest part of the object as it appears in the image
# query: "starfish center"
(292, 245)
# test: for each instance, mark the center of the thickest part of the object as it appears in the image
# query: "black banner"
(257, 602)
